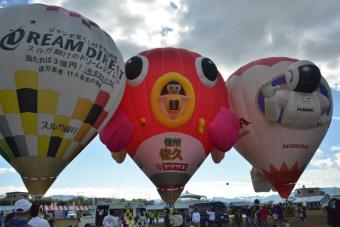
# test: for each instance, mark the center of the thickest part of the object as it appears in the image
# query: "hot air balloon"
(285, 108)
(61, 79)
(173, 114)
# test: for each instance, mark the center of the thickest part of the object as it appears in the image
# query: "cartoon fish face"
(173, 89)
(173, 114)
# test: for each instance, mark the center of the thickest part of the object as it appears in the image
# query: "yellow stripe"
(82, 132)
(65, 143)
(60, 122)
(43, 142)
(5, 148)
(47, 101)
(82, 109)
(9, 101)
(29, 123)
(26, 79)
(76, 152)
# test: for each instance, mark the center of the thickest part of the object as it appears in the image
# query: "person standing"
(167, 218)
(238, 218)
(51, 218)
(110, 220)
(285, 223)
(157, 216)
(21, 214)
(211, 218)
(176, 219)
(36, 220)
(1, 218)
(196, 218)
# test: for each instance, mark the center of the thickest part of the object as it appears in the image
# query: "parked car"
(71, 214)
(221, 212)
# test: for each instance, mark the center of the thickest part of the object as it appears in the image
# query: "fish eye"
(136, 69)
(207, 71)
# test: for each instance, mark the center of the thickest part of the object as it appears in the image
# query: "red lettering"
(294, 146)
(174, 167)
(243, 122)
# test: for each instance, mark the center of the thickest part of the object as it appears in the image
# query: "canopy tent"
(188, 195)
(312, 199)
(63, 208)
(6, 208)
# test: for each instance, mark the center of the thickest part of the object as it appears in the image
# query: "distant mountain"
(250, 199)
(275, 198)
(62, 197)
(331, 191)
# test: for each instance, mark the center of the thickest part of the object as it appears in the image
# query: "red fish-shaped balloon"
(174, 113)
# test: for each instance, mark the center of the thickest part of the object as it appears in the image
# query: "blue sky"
(231, 38)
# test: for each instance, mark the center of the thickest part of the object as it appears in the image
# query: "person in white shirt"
(176, 219)
(196, 218)
(36, 220)
(110, 220)
(211, 217)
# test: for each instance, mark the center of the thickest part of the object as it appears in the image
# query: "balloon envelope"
(281, 148)
(173, 114)
(61, 79)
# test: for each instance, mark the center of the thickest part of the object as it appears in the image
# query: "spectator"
(285, 223)
(110, 220)
(263, 215)
(249, 217)
(151, 217)
(157, 216)
(21, 214)
(211, 218)
(176, 219)
(238, 218)
(196, 218)
(300, 213)
(8, 217)
(275, 216)
(167, 218)
(36, 220)
(1, 218)
(51, 218)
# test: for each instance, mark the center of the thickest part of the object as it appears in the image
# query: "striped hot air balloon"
(61, 79)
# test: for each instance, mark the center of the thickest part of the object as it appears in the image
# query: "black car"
(220, 209)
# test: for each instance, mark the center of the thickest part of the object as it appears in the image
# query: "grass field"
(315, 218)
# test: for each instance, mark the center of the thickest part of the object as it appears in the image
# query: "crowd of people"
(25, 214)
(252, 216)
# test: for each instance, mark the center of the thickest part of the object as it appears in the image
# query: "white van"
(127, 213)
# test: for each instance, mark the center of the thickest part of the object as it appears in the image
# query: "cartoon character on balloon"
(301, 102)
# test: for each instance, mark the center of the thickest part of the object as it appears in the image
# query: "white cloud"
(336, 118)
(319, 153)
(335, 148)
(7, 170)
(51, 2)
(337, 159)
(210, 189)
(322, 163)
(320, 178)
(9, 188)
